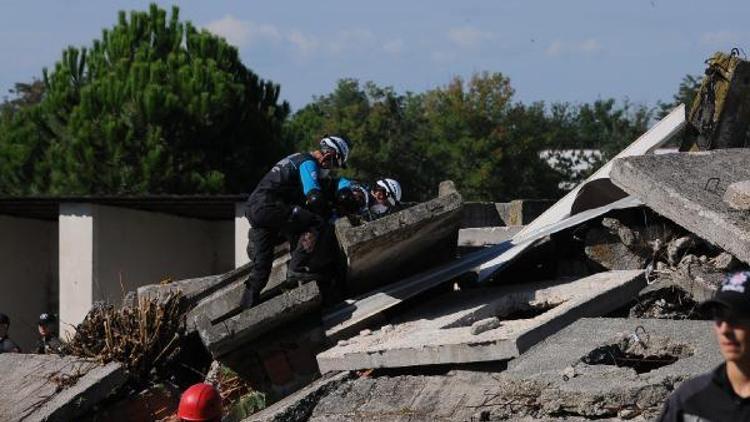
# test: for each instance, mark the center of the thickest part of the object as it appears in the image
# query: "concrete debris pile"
(677, 222)
(451, 311)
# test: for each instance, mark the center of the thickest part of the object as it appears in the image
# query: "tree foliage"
(154, 106)
(468, 131)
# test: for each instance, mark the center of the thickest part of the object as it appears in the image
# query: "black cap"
(4, 319)
(733, 295)
(45, 319)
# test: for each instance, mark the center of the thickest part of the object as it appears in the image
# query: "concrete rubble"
(442, 331)
(53, 388)
(527, 310)
(688, 188)
(569, 376)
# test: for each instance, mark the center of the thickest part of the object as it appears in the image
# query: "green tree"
(461, 131)
(154, 106)
(685, 94)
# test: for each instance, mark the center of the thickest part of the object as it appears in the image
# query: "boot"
(251, 295)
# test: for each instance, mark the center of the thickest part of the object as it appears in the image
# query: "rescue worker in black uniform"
(6, 344)
(48, 342)
(724, 393)
(289, 201)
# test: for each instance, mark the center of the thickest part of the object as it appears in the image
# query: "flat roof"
(206, 207)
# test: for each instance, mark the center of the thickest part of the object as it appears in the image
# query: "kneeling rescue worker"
(289, 202)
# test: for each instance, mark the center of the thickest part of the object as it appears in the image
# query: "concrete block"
(439, 332)
(688, 189)
(737, 195)
(447, 187)
(483, 236)
(53, 388)
(522, 211)
(231, 334)
(400, 244)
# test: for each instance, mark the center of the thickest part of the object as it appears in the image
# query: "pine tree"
(154, 106)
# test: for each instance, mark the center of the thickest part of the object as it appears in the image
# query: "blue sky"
(576, 50)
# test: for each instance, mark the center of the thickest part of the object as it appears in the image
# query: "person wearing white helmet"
(289, 201)
(386, 195)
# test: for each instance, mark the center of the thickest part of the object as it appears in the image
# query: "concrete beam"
(440, 331)
(53, 388)
(688, 188)
(227, 301)
(399, 244)
(233, 333)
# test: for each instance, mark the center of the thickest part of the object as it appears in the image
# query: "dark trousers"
(269, 222)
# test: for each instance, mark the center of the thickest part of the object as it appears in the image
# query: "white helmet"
(392, 190)
(339, 145)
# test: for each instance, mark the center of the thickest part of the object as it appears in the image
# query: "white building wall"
(76, 251)
(28, 269)
(241, 228)
(136, 248)
(131, 248)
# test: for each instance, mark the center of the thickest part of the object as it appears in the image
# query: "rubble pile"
(588, 311)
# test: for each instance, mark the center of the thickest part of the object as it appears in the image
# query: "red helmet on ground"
(200, 402)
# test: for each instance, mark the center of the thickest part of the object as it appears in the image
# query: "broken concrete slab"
(687, 188)
(737, 195)
(194, 289)
(299, 406)
(520, 243)
(478, 237)
(399, 244)
(357, 313)
(572, 371)
(360, 311)
(440, 331)
(53, 388)
(231, 334)
(455, 396)
(227, 301)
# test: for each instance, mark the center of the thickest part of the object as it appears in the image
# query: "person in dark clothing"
(48, 342)
(289, 202)
(6, 344)
(724, 393)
